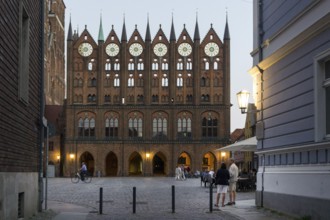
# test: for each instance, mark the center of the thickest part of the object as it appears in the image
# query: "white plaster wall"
(310, 181)
(11, 184)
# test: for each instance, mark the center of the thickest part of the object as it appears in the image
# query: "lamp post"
(243, 100)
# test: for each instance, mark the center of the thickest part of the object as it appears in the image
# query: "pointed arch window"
(179, 81)
(184, 127)
(130, 81)
(135, 127)
(164, 81)
(215, 65)
(154, 66)
(108, 66)
(86, 127)
(116, 81)
(207, 65)
(159, 127)
(189, 65)
(111, 127)
(130, 66)
(209, 127)
(140, 66)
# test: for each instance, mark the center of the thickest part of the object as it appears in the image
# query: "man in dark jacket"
(221, 180)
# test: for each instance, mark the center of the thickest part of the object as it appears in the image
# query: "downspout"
(261, 36)
(42, 109)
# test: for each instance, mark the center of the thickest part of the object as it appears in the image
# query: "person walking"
(222, 181)
(233, 172)
(177, 173)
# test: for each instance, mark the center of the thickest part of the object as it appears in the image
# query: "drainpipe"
(260, 42)
(42, 109)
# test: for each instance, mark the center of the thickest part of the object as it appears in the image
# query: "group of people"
(180, 173)
(226, 180)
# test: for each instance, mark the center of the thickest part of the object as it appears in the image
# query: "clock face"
(160, 49)
(112, 49)
(184, 49)
(85, 49)
(135, 49)
(211, 49)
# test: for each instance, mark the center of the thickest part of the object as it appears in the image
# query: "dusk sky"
(239, 12)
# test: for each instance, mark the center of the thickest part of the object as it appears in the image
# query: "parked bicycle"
(75, 177)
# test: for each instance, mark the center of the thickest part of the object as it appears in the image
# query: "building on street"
(21, 108)
(291, 72)
(142, 106)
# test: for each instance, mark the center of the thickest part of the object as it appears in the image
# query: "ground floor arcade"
(141, 159)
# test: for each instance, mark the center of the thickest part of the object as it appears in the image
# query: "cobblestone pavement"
(153, 198)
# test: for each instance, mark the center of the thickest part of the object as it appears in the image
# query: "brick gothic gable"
(156, 104)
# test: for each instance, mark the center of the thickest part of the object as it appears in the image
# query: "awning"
(249, 144)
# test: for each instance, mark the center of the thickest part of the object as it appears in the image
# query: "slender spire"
(148, 36)
(101, 36)
(196, 35)
(123, 34)
(226, 35)
(172, 35)
(70, 31)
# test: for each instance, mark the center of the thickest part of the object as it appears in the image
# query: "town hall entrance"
(111, 164)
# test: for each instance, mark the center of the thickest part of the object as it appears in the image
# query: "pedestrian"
(177, 173)
(221, 181)
(183, 177)
(233, 172)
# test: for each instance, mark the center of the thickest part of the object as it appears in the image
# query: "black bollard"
(173, 199)
(211, 197)
(101, 201)
(134, 199)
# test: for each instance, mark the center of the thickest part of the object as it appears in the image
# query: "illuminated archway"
(209, 161)
(135, 164)
(184, 159)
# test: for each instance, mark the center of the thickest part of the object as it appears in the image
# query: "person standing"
(233, 172)
(222, 181)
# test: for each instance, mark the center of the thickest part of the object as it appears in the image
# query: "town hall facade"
(143, 106)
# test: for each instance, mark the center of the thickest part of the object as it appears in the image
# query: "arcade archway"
(135, 164)
(159, 164)
(209, 162)
(111, 164)
(89, 160)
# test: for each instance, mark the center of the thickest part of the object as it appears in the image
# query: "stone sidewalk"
(153, 200)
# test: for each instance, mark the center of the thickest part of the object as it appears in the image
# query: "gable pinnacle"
(148, 35)
(70, 37)
(172, 35)
(101, 36)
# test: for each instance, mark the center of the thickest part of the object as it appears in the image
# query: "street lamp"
(243, 100)
(72, 157)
